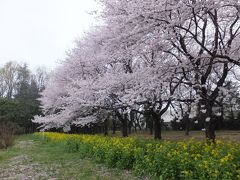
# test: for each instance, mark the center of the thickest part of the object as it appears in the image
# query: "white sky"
(39, 32)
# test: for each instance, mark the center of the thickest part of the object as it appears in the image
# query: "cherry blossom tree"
(142, 55)
(68, 97)
(202, 35)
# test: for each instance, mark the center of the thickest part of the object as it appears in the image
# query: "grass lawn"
(30, 158)
(180, 135)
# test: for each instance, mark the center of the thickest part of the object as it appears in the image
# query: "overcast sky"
(39, 32)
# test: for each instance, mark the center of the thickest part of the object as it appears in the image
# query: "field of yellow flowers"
(163, 159)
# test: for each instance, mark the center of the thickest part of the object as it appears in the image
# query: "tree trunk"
(106, 127)
(124, 121)
(113, 126)
(157, 126)
(187, 126)
(151, 125)
(130, 127)
(149, 122)
(130, 124)
(210, 130)
(124, 127)
(210, 124)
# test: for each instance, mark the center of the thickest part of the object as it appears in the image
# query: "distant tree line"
(19, 92)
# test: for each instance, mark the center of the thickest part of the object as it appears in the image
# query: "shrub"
(7, 130)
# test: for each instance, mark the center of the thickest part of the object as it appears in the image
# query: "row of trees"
(19, 93)
(153, 59)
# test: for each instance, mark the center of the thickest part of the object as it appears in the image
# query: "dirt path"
(34, 159)
(22, 167)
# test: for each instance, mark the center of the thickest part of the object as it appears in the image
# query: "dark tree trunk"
(124, 121)
(210, 126)
(135, 128)
(130, 127)
(130, 124)
(210, 123)
(210, 133)
(137, 124)
(106, 127)
(113, 126)
(187, 126)
(151, 123)
(124, 127)
(157, 126)
(210, 130)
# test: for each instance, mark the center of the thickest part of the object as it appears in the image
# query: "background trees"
(9, 79)
(19, 96)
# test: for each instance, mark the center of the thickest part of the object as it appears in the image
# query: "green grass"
(30, 157)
